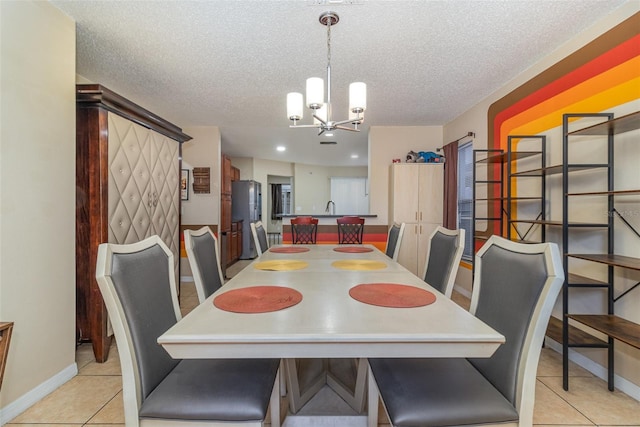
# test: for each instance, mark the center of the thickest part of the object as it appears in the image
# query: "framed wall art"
(184, 184)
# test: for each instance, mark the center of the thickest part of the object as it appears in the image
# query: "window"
(350, 196)
(286, 199)
(465, 197)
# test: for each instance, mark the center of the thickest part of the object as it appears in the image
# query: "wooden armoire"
(127, 188)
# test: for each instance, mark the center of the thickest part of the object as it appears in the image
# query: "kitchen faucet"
(330, 204)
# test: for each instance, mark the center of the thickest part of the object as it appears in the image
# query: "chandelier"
(321, 111)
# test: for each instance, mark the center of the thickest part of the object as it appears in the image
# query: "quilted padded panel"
(144, 190)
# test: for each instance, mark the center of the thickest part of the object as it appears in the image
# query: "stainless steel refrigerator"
(246, 205)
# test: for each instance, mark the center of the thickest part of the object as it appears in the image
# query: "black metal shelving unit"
(612, 326)
(494, 201)
(538, 200)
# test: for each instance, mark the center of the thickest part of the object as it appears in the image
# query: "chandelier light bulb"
(294, 106)
(315, 92)
(357, 97)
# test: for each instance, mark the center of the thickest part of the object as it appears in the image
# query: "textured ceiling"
(230, 63)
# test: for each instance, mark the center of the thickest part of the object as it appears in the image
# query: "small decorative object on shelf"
(424, 157)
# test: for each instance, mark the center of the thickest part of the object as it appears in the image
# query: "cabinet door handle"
(420, 228)
(155, 198)
(149, 199)
(416, 215)
(420, 215)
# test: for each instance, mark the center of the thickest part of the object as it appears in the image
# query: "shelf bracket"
(615, 299)
(526, 233)
(615, 211)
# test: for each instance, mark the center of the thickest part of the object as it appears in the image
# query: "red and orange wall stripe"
(600, 76)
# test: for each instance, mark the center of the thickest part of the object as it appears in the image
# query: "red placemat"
(352, 249)
(288, 250)
(257, 299)
(391, 295)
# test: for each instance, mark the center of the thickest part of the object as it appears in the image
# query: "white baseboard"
(622, 384)
(462, 291)
(36, 394)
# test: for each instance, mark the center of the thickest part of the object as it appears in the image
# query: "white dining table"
(328, 322)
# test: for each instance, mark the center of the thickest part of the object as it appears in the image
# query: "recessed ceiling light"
(328, 134)
(281, 148)
(354, 156)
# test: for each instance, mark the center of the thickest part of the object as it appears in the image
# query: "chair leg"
(298, 397)
(373, 398)
(283, 381)
(274, 402)
(355, 398)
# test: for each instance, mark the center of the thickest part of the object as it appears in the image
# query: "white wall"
(37, 200)
(475, 120)
(245, 164)
(202, 151)
(394, 142)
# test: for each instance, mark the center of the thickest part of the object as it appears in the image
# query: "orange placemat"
(359, 264)
(288, 250)
(257, 299)
(352, 249)
(281, 265)
(391, 295)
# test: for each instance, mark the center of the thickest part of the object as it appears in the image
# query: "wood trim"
(92, 177)
(5, 340)
(95, 95)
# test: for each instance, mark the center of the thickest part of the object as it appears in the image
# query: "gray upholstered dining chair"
(515, 288)
(137, 283)
(259, 237)
(202, 252)
(394, 240)
(443, 258)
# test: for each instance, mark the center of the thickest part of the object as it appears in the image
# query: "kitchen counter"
(327, 216)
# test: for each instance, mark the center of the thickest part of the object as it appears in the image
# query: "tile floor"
(94, 397)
